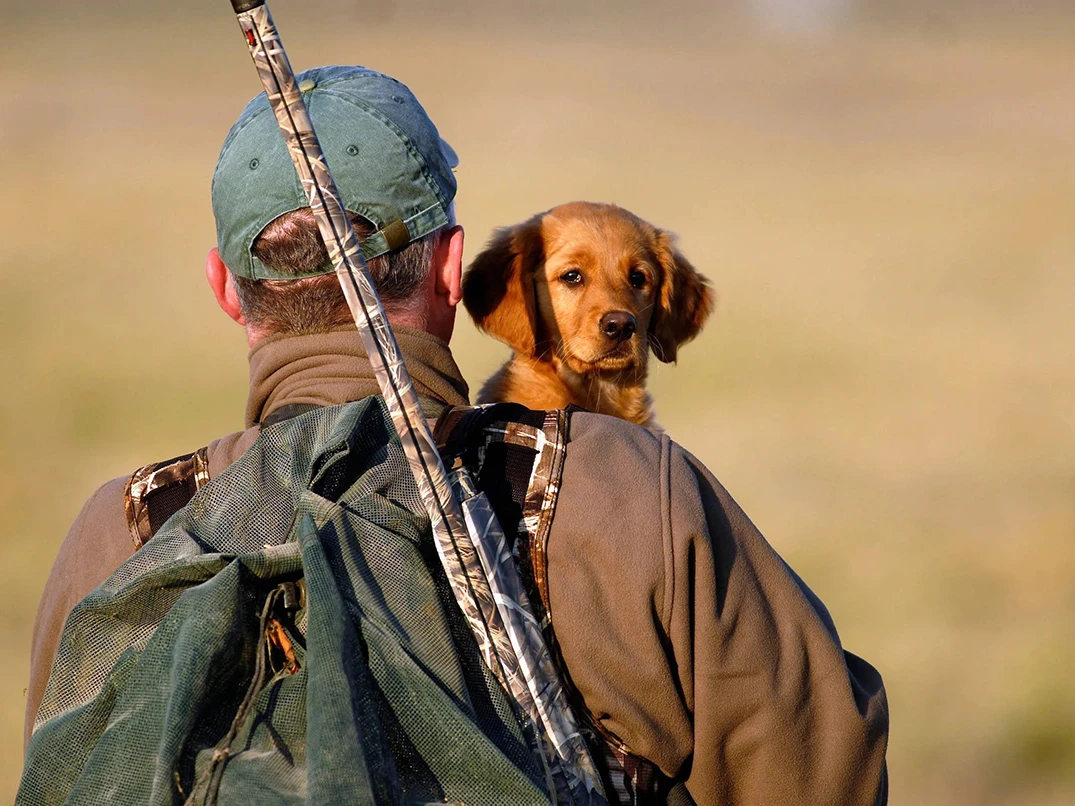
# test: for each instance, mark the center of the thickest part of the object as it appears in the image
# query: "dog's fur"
(566, 289)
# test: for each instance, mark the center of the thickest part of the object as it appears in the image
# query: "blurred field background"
(882, 192)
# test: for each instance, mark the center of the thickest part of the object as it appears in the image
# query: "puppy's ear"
(498, 287)
(684, 301)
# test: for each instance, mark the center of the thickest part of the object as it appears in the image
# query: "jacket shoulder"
(598, 439)
(97, 538)
(97, 543)
(644, 471)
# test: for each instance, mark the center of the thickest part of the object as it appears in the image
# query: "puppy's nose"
(618, 325)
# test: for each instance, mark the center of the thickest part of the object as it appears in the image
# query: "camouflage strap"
(156, 492)
(530, 456)
(513, 650)
(457, 431)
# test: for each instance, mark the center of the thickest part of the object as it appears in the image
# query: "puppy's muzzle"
(618, 325)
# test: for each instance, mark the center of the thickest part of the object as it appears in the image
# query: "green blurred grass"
(886, 387)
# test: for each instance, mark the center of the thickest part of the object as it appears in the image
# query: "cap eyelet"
(254, 164)
(352, 150)
(397, 98)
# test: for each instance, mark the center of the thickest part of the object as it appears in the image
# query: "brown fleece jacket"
(687, 635)
(691, 639)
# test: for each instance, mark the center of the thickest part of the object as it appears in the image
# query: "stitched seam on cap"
(380, 116)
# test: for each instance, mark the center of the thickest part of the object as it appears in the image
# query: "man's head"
(271, 271)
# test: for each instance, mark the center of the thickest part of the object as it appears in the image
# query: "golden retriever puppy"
(582, 293)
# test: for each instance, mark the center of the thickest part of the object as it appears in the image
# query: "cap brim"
(449, 154)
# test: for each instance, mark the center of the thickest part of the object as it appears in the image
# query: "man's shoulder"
(618, 483)
(101, 513)
(225, 450)
(103, 535)
(102, 527)
(632, 488)
(594, 435)
(613, 452)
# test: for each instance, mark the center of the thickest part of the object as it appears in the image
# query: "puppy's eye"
(573, 277)
(637, 279)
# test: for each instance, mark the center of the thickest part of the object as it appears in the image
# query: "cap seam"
(414, 152)
(326, 90)
(239, 128)
(366, 74)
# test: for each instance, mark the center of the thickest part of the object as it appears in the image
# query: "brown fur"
(520, 291)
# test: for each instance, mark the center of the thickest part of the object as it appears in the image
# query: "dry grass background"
(885, 207)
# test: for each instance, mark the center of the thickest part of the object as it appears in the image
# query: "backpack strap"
(157, 491)
(516, 457)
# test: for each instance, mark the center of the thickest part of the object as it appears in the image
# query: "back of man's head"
(393, 171)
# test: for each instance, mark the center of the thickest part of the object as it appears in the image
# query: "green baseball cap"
(389, 162)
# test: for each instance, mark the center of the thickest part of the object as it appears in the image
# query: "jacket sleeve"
(97, 543)
(692, 641)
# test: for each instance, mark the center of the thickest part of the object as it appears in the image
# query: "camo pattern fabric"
(628, 779)
(507, 646)
(184, 474)
(560, 734)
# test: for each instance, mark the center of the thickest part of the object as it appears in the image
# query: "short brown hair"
(291, 244)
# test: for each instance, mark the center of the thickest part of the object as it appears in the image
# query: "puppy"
(582, 293)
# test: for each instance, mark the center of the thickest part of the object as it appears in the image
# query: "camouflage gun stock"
(469, 541)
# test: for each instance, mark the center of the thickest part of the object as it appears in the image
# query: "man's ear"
(449, 266)
(223, 285)
(684, 301)
(498, 288)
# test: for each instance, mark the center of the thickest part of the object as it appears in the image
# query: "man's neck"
(331, 368)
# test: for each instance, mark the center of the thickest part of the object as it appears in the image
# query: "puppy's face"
(596, 289)
(589, 286)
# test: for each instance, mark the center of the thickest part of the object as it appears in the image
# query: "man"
(694, 648)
